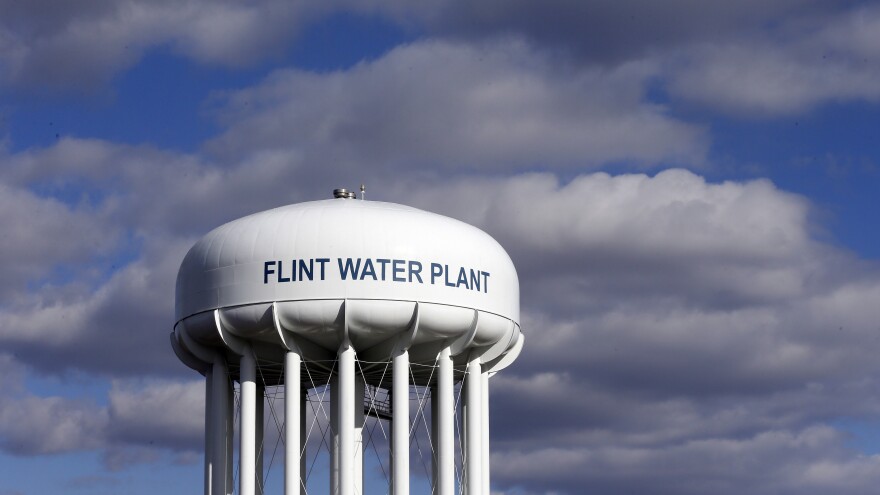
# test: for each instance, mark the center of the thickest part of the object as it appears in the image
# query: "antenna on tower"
(363, 191)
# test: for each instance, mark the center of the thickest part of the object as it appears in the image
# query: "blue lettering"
(321, 262)
(415, 268)
(281, 270)
(368, 270)
(383, 262)
(398, 266)
(462, 279)
(436, 271)
(349, 268)
(306, 271)
(475, 280)
(485, 281)
(267, 271)
(446, 276)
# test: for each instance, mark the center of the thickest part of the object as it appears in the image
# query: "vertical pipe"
(303, 433)
(445, 425)
(229, 433)
(334, 434)
(292, 423)
(247, 425)
(346, 409)
(473, 422)
(210, 459)
(400, 423)
(434, 437)
(221, 431)
(258, 437)
(358, 463)
(486, 452)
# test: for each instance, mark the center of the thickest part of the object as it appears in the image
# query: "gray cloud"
(604, 31)
(803, 65)
(42, 233)
(499, 105)
(683, 336)
(53, 44)
(48, 425)
(773, 462)
(143, 418)
(167, 414)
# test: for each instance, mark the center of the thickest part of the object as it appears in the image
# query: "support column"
(487, 489)
(247, 423)
(445, 425)
(259, 423)
(292, 423)
(303, 433)
(209, 437)
(346, 415)
(334, 434)
(473, 400)
(400, 424)
(358, 464)
(435, 393)
(221, 427)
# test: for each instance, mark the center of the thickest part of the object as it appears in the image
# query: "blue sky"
(688, 190)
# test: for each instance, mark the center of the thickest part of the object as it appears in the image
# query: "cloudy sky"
(688, 188)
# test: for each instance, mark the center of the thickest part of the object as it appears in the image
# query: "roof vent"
(344, 194)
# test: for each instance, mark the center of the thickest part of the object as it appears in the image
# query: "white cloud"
(53, 44)
(42, 233)
(48, 425)
(163, 413)
(434, 105)
(808, 461)
(143, 417)
(804, 64)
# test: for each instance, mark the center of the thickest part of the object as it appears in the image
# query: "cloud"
(747, 58)
(804, 64)
(164, 413)
(604, 31)
(48, 425)
(31, 221)
(143, 418)
(807, 461)
(433, 105)
(672, 236)
(52, 44)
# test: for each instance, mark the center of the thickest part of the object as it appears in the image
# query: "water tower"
(371, 299)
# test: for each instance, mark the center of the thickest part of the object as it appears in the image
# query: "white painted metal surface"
(358, 281)
(292, 432)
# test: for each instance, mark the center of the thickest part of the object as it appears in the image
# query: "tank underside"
(374, 328)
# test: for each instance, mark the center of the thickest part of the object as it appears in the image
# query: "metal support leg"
(292, 420)
(400, 424)
(303, 433)
(221, 427)
(247, 426)
(445, 425)
(334, 435)
(260, 402)
(346, 407)
(435, 393)
(473, 422)
(486, 452)
(358, 464)
(209, 437)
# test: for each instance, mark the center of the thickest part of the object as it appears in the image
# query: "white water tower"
(361, 299)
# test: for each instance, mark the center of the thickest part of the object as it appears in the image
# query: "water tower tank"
(358, 294)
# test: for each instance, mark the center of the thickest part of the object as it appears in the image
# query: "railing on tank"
(377, 402)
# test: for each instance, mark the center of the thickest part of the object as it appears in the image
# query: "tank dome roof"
(347, 249)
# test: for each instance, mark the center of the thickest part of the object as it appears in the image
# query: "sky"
(688, 190)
